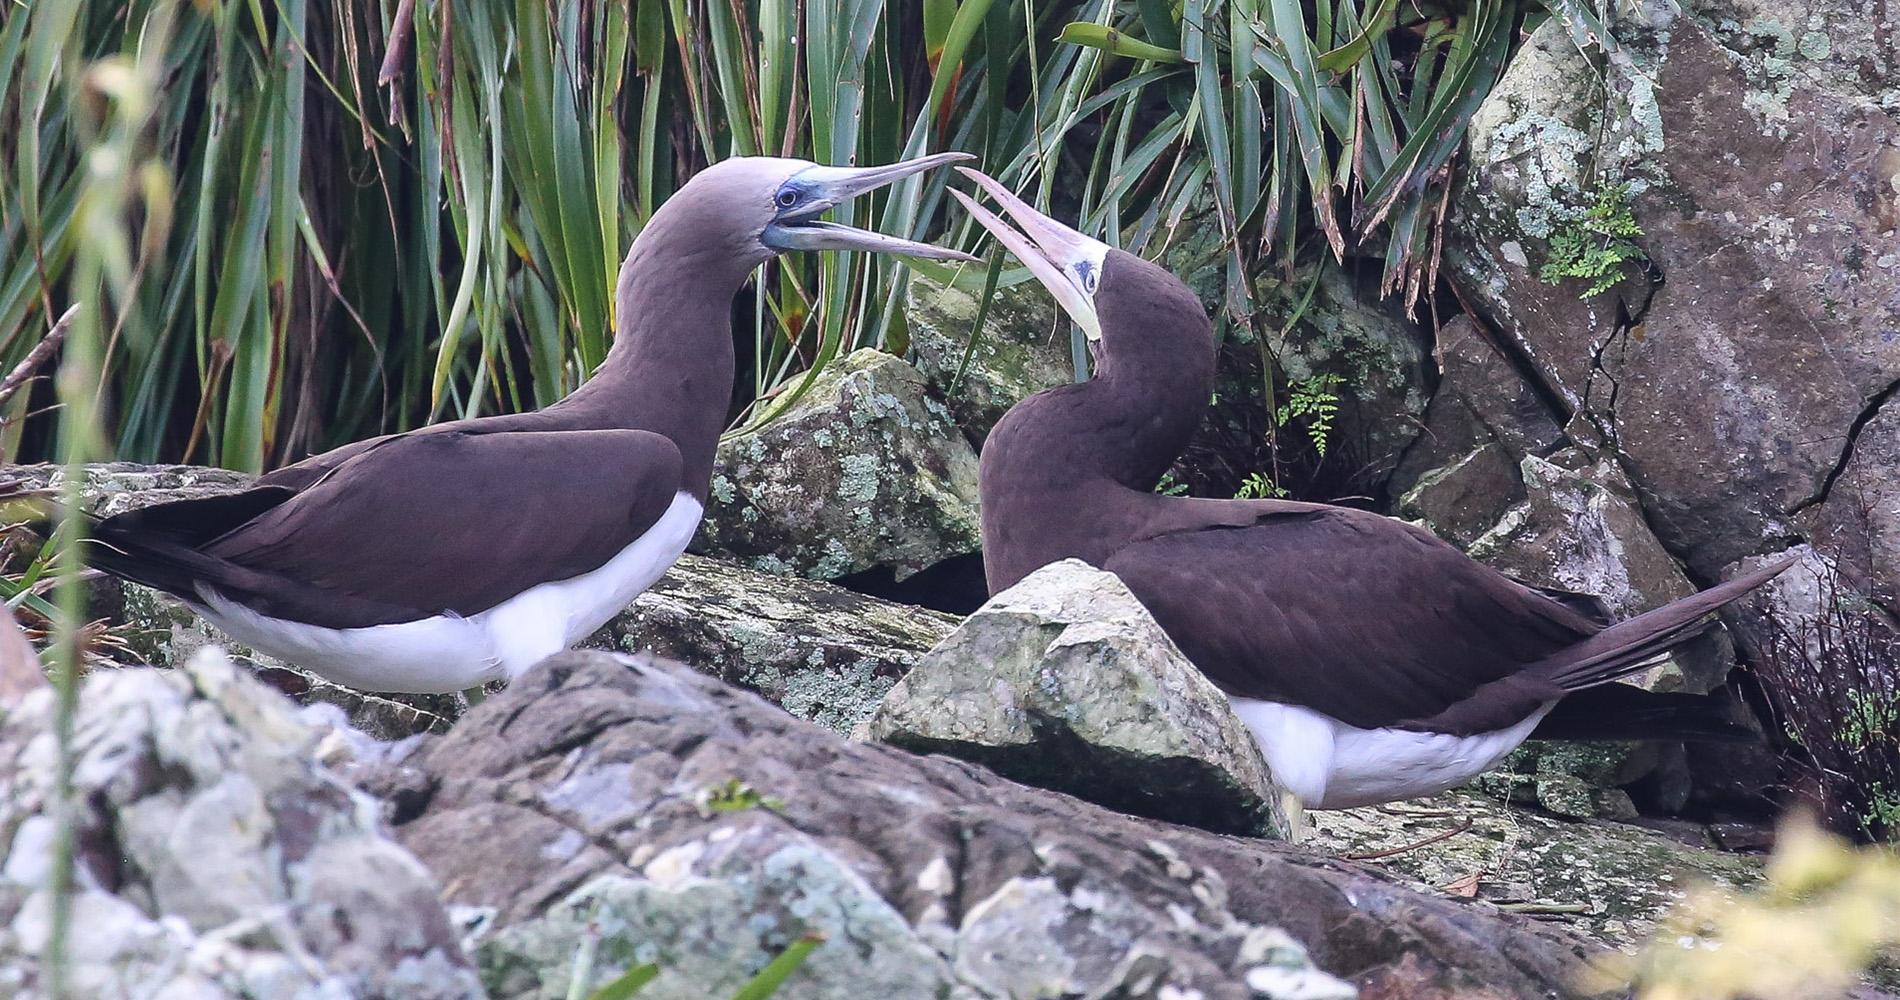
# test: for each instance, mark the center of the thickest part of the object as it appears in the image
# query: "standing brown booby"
(465, 552)
(1371, 660)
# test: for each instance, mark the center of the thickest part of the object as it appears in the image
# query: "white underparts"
(1327, 764)
(448, 652)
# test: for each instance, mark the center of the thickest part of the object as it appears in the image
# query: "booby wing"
(1362, 618)
(417, 525)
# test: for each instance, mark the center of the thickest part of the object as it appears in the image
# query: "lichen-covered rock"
(683, 821)
(823, 653)
(866, 470)
(1760, 155)
(1022, 349)
(215, 858)
(1065, 681)
(1610, 880)
(116, 487)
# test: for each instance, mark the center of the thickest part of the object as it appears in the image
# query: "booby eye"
(1085, 270)
(787, 198)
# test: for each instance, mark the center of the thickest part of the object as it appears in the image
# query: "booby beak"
(1067, 263)
(823, 188)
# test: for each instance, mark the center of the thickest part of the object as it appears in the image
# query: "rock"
(1023, 349)
(1622, 876)
(1760, 155)
(1466, 498)
(865, 470)
(116, 487)
(699, 827)
(1483, 400)
(215, 857)
(823, 653)
(1065, 681)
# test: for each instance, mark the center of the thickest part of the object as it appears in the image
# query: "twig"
(1428, 841)
(1544, 909)
(38, 355)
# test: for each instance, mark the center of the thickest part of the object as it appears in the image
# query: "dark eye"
(787, 198)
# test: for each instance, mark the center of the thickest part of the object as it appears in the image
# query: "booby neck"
(1080, 462)
(670, 369)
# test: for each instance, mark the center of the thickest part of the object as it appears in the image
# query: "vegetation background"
(353, 217)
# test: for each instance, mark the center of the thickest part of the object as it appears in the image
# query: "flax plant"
(389, 213)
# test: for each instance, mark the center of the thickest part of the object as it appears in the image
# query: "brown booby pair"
(465, 552)
(1372, 661)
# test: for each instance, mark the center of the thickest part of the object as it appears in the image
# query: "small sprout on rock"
(735, 796)
(1170, 486)
(1596, 246)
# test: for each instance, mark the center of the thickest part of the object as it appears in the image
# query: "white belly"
(1327, 764)
(449, 652)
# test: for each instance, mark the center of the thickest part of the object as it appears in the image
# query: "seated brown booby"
(1371, 660)
(465, 552)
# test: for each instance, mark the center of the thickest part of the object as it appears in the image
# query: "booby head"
(1067, 263)
(1092, 281)
(772, 205)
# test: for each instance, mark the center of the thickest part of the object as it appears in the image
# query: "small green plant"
(735, 796)
(1870, 718)
(1313, 401)
(759, 987)
(1596, 246)
(1259, 486)
(1170, 486)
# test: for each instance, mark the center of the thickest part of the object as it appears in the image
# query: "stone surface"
(1616, 878)
(1023, 349)
(215, 857)
(823, 653)
(866, 469)
(697, 826)
(116, 487)
(1065, 681)
(1483, 399)
(1762, 155)
(1465, 498)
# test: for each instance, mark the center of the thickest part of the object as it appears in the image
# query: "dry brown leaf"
(1466, 887)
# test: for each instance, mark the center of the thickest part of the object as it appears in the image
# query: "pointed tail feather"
(1622, 648)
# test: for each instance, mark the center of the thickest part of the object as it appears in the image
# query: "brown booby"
(465, 552)
(1371, 660)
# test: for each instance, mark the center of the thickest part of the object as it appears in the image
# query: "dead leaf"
(1466, 887)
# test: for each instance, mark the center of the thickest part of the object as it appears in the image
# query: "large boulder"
(653, 813)
(214, 857)
(1732, 373)
(1065, 681)
(865, 470)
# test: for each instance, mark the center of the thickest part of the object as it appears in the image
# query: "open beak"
(833, 186)
(1067, 263)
